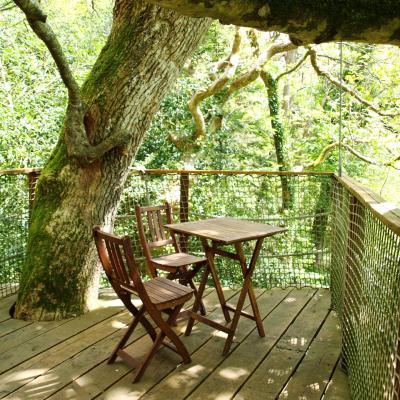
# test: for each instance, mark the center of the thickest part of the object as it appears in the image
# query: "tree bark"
(144, 54)
(311, 21)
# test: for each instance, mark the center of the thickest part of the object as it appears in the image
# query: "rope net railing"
(301, 257)
(15, 197)
(340, 235)
(366, 288)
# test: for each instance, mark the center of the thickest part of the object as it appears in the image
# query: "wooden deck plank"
(18, 337)
(274, 371)
(186, 378)
(9, 327)
(30, 348)
(26, 331)
(94, 381)
(159, 368)
(338, 387)
(43, 362)
(37, 369)
(72, 364)
(239, 365)
(310, 379)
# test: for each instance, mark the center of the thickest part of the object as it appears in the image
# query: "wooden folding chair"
(153, 235)
(158, 294)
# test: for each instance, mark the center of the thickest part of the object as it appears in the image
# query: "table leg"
(247, 288)
(246, 271)
(210, 255)
(198, 299)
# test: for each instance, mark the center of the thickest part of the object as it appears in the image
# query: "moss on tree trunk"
(279, 139)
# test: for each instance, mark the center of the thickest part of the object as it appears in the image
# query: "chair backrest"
(116, 256)
(154, 235)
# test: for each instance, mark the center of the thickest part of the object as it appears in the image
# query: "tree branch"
(330, 147)
(322, 156)
(76, 139)
(229, 70)
(289, 71)
(77, 142)
(37, 20)
(348, 89)
(250, 76)
(312, 21)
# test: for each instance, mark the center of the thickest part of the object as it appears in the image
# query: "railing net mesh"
(14, 216)
(333, 239)
(300, 257)
(366, 292)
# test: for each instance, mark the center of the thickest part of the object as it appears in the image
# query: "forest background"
(240, 127)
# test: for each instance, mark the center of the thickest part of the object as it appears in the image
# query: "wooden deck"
(298, 358)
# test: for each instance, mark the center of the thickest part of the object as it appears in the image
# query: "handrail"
(387, 213)
(226, 172)
(26, 171)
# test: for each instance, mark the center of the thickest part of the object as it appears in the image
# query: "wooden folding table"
(221, 232)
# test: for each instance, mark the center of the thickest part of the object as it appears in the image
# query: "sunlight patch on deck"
(233, 373)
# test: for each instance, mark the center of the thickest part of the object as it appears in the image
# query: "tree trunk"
(279, 138)
(143, 56)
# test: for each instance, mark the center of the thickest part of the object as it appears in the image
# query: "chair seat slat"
(178, 259)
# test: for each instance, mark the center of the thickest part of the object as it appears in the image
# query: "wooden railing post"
(184, 207)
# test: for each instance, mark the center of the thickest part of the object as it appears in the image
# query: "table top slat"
(226, 230)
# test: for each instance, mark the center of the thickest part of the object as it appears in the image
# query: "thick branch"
(348, 89)
(330, 147)
(322, 156)
(313, 21)
(37, 20)
(78, 145)
(215, 87)
(250, 76)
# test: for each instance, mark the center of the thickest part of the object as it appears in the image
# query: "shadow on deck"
(298, 358)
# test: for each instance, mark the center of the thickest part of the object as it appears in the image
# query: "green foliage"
(245, 139)
(33, 98)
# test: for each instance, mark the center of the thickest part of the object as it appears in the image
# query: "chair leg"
(126, 299)
(198, 299)
(140, 370)
(165, 331)
(180, 347)
(186, 278)
(128, 333)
